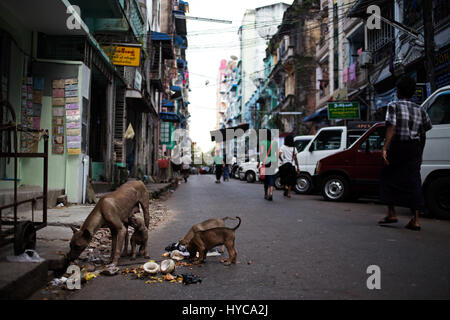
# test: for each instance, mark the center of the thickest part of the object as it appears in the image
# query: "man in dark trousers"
(406, 125)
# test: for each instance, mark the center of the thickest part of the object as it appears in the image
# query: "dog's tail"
(238, 223)
(228, 218)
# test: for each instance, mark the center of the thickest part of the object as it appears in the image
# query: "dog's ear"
(86, 234)
(74, 229)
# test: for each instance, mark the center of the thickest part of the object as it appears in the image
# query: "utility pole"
(428, 27)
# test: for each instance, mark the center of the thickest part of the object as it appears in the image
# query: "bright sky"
(209, 43)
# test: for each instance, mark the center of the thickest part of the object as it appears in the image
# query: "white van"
(435, 170)
(327, 141)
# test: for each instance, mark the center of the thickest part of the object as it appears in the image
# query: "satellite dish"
(267, 25)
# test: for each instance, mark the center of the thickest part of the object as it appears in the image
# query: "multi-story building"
(288, 92)
(360, 64)
(258, 26)
(87, 76)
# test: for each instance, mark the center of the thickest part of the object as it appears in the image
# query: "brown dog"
(113, 211)
(205, 225)
(203, 241)
(139, 237)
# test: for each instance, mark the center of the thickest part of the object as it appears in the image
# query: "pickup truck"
(327, 141)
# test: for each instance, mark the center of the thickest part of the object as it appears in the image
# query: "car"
(206, 170)
(327, 141)
(356, 171)
(249, 172)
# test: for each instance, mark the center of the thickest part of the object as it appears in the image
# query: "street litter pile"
(153, 272)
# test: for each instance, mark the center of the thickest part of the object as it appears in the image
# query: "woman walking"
(406, 125)
(268, 153)
(288, 173)
(218, 161)
(163, 164)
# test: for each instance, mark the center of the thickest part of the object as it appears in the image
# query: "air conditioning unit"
(365, 59)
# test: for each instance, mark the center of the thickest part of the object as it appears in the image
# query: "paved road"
(299, 248)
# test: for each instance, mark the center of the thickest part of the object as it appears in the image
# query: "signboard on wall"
(122, 55)
(343, 110)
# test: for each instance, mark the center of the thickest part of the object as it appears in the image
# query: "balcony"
(358, 79)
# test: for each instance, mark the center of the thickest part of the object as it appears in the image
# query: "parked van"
(327, 141)
(356, 171)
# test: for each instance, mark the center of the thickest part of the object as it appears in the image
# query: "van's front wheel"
(437, 197)
(335, 188)
(303, 184)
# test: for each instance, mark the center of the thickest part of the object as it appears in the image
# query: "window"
(375, 141)
(439, 111)
(328, 140)
(301, 144)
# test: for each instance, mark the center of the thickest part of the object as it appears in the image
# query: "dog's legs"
(146, 254)
(114, 242)
(231, 252)
(133, 249)
(121, 231)
(125, 246)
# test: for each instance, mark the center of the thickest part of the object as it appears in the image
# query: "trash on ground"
(110, 270)
(151, 267)
(28, 256)
(213, 253)
(90, 275)
(57, 282)
(190, 279)
(178, 255)
(167, 266)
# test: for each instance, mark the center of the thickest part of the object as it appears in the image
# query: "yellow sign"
(124, 55)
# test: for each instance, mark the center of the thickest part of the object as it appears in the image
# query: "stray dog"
(205, 225)
(113, 211)
(139, 237)
(203, 241)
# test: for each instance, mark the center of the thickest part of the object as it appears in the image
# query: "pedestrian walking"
(268, 152)
(163, 165)
(400, 183)
(185, 168)
(219, 164)
(176, 171)
(288, 172)
(226, 172)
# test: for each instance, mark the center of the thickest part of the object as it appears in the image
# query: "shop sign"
(124, 55)
(343, 110)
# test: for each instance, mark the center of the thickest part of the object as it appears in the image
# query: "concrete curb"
(20, 280)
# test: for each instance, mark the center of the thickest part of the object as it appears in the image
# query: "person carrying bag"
(288, 173)
(268, 147)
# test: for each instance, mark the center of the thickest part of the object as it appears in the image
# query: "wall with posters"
(65, 163)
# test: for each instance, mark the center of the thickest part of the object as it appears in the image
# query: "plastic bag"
(28, 256)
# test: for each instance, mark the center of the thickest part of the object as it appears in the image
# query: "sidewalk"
(19, 280)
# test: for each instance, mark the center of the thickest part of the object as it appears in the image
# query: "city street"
(298, 248)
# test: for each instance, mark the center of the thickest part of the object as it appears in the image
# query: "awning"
(383, 99)
(169, 117)
(181, 63)
(168, 103)
(165, 41)
(321, 113)
(159, 36)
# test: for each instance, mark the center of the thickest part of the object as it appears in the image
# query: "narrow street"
(298, 248)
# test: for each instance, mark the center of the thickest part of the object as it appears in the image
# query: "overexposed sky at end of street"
(209, 43)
